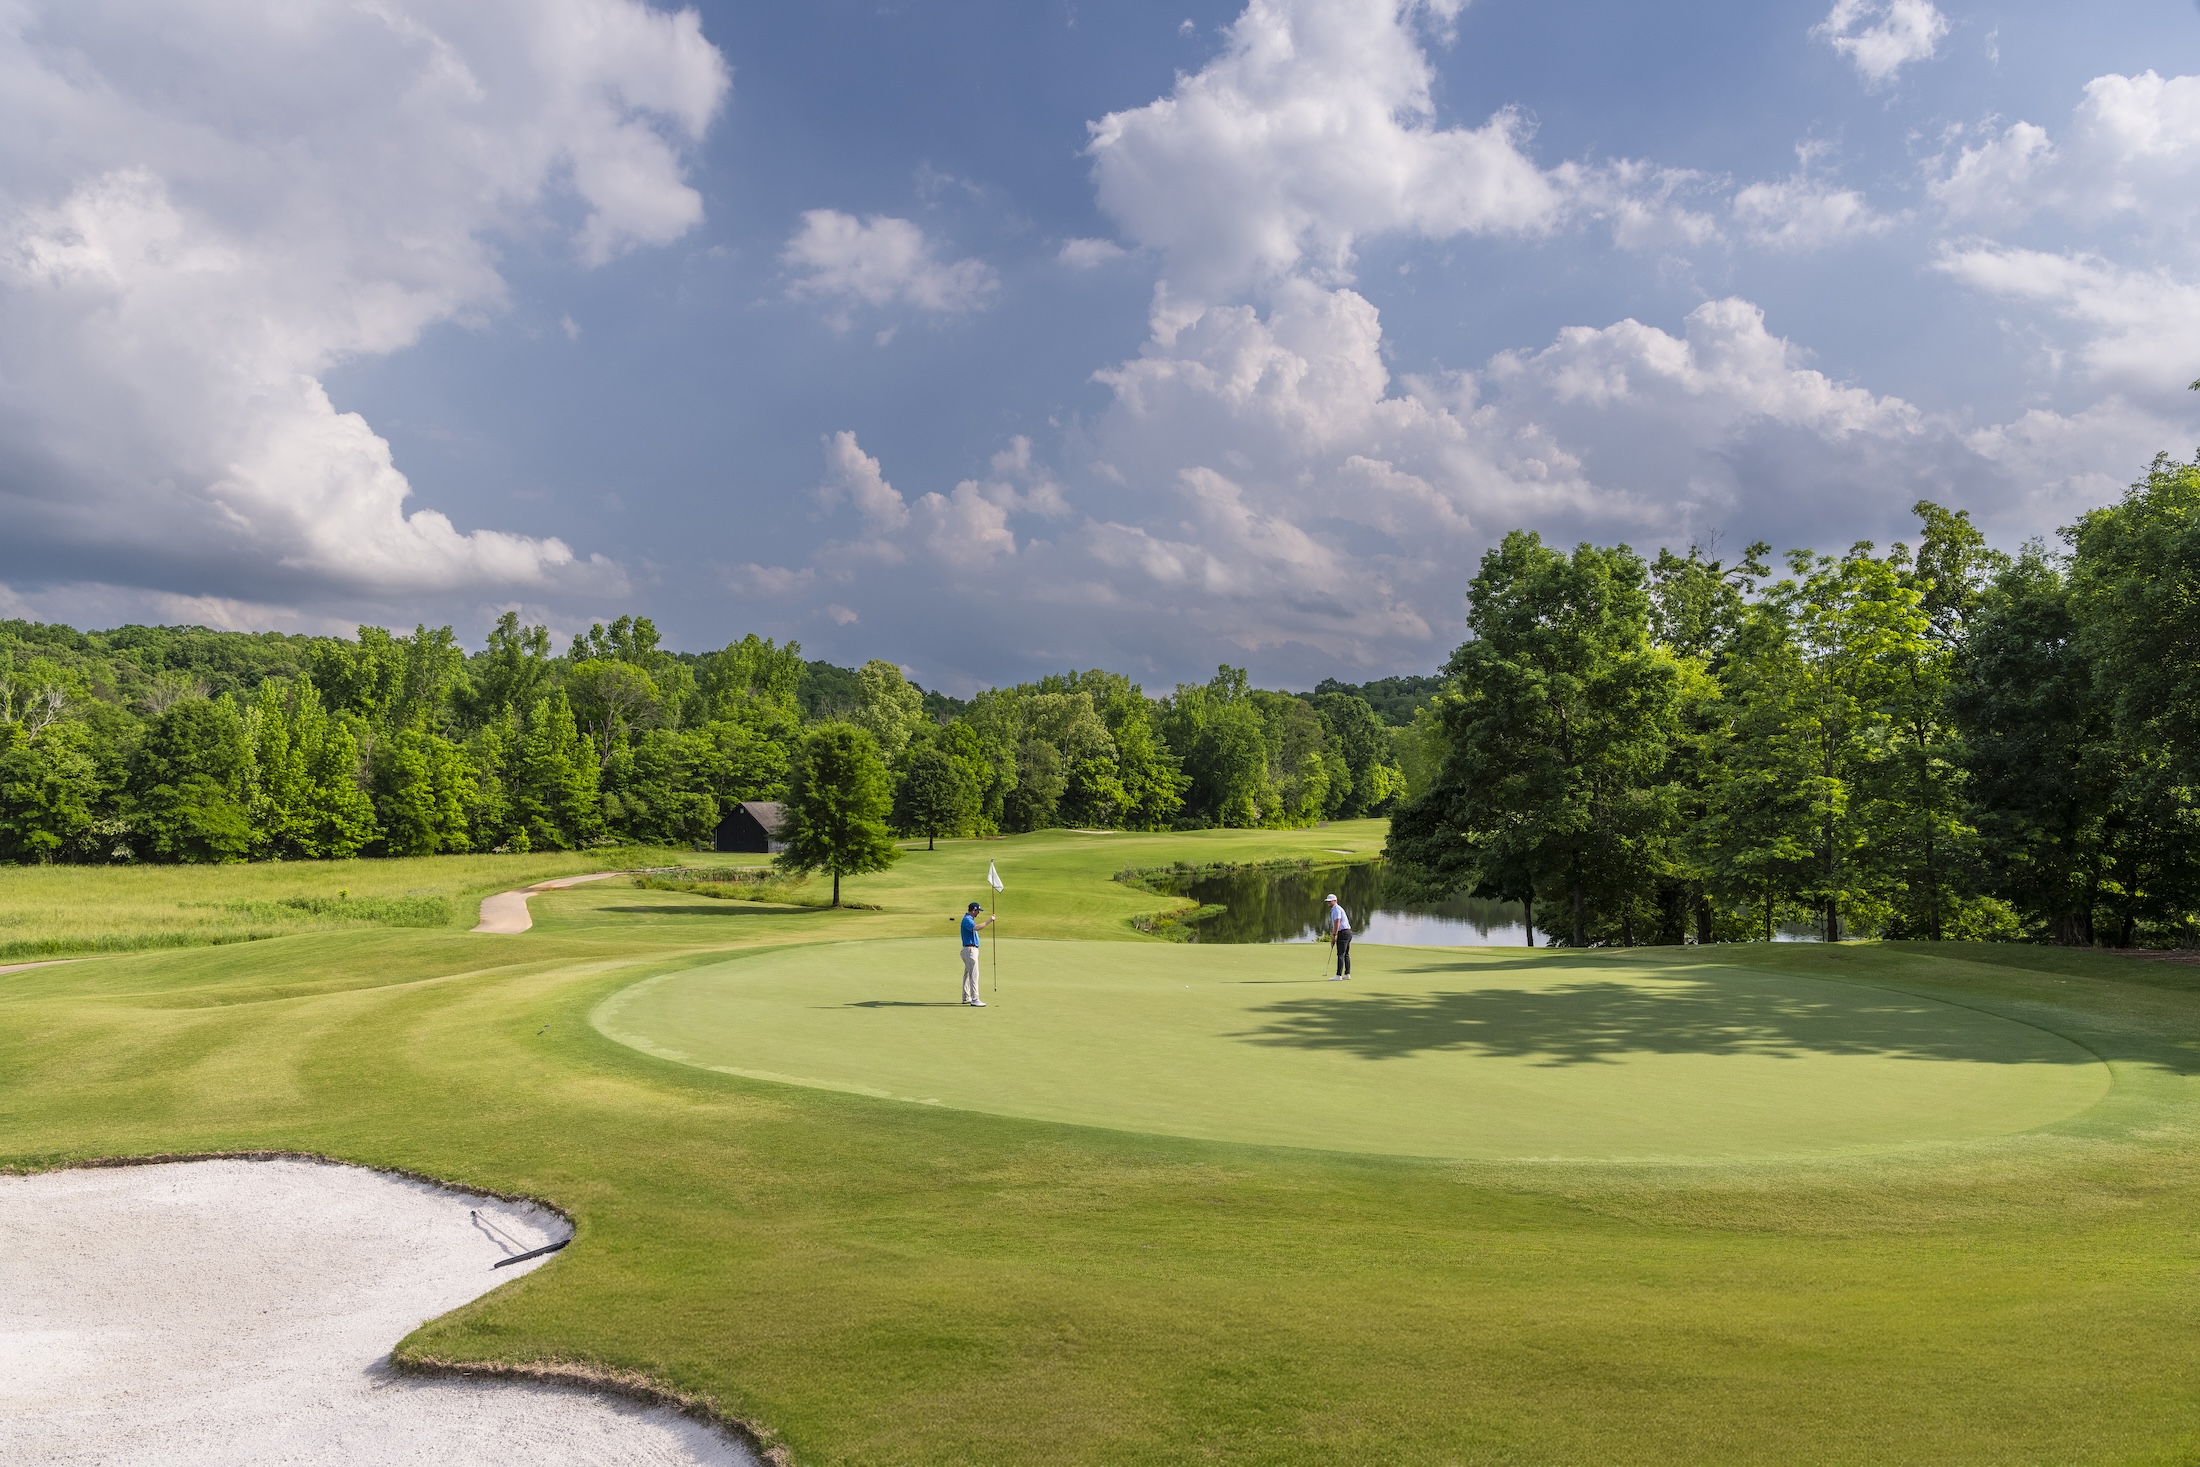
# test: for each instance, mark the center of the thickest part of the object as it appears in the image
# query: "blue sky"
(994, 339)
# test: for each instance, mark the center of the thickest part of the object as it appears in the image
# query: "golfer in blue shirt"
(970, 926)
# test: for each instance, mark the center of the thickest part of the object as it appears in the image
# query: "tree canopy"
(834, 818)
(1928, 743)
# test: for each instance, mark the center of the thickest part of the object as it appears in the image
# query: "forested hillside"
(183, 744)
(1935, 742)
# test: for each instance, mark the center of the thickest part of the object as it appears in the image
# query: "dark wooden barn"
(752, 825)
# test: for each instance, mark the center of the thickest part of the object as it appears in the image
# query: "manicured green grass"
(46, 911)
(884, 1282)
(1491, 1053)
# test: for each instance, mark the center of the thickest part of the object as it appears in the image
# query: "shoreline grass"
(1181, 924)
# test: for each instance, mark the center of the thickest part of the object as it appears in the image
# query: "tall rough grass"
(744, 884)
(57, 911)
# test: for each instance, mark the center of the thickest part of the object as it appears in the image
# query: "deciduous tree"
(1558, 738)
(836, 809)
(936, 797)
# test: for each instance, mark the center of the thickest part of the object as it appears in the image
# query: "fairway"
(1461, 1053)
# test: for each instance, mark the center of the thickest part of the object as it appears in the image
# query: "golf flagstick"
(993, 879)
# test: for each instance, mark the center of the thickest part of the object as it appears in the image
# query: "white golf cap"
(1330, 898)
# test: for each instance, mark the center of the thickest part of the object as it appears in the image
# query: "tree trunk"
(1627, 930)
(1581, 938)
(1832, 915)
(1932, 886)
(836, 888)
(930, 841)
(1527, 915)
(1703, 921)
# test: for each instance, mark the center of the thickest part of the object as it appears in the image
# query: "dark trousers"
(1343, 943)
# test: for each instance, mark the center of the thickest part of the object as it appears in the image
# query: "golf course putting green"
(1466, 1053)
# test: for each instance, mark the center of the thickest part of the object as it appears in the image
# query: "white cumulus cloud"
(202, 212)
(1880, 37)
(1290, 491)
(854, 477)
(2115, 201)
(880, 261)
(1999, 179)
(2141, 327)
(969, 525)
(1624, 424)
(1805, 212)
(1313, 128)
(1263, 481)
(1086, 254)
(2057, 465)
(963, 527)
(2131, 153)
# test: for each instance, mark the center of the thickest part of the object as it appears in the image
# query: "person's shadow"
(897, 1003)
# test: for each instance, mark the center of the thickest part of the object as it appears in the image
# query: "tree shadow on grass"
(721, 909)
(1600, 1022)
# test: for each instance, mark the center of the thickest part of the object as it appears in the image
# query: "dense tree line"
(1946, 742)
(1395, 699)
(183, 744)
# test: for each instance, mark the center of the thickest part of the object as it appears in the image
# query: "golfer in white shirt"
(1339, 928)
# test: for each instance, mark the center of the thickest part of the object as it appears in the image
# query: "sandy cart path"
(235, 1312)
(506, 912)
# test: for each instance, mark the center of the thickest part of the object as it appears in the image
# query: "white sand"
(507, 913)
(235, 1312)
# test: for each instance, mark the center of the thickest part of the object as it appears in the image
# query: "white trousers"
(970, 975)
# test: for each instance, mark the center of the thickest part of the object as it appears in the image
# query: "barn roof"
(767, 813)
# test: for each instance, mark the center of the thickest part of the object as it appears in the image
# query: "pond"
(1286, 906)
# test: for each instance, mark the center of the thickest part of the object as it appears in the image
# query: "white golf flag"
(992, 877)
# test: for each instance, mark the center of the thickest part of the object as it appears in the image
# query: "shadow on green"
(1604, 1022)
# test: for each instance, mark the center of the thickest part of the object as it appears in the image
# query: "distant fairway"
(1482, 1054)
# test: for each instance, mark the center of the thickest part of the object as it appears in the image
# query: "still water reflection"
(1286, 906)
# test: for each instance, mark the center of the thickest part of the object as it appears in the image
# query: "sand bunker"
(243, 1312)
